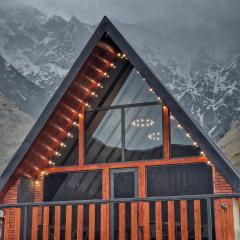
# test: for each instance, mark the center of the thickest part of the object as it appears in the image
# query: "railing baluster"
(134, 221)
(184, 220)
(146, 226)
(6, 223)
(158, 218)
(171, 221)
(57, 221)
(45, 222)
(17, 223)
(230, 219)
(34, 223)
(197, 219)
(80, 222)
(122, 223)
(91, 226)
(68, 225)
(104, 223)
(209, 218)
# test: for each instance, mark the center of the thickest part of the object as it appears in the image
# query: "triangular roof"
(24, 157)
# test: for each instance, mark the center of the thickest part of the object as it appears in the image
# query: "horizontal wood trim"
(145, 163)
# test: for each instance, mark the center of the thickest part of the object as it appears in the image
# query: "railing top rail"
(126, 200)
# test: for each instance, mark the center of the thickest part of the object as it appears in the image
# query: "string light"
(208, 162)
(43, 172)
(62, 144)
(154, 136)
(164, 107)
(195, 144)
(142, 122)
(106, 74)
(179, 126)
(58, 154)
(172, 117)
(70, 135)
(202, 153)
(87, 105)
(75, 124)
(112, 65)
(151, 90)
(94, 94)
(100, 85)
(37, 182)
(188, 135)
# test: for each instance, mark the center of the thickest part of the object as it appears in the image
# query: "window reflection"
(182, 144)
(143, 133)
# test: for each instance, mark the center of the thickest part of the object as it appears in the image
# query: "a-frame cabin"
(114, 156)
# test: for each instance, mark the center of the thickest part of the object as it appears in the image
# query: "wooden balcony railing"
(182, 217)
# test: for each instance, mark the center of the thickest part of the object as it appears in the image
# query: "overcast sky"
(221, 18)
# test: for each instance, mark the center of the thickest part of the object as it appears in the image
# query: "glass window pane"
(124, 185)
(143, 133)
(182, 144)
(103, 137)
(180, 180)
(134, 90)
(74, 186)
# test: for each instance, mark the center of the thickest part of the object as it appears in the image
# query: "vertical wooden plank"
(57, 220)
(81, 138)
(158, 218)
(197, 219)
(134, 223)
(91, 226)
(146, 218)
(104, 226)
(184, 221)
(122, 223)
(166, 133)
(34, 223)
(17, 223)
(6, 223)
(45, 222)
(218, 219)
(142, 181)
(171, 221)
(68, 226)
(80, 222)
(230, 220)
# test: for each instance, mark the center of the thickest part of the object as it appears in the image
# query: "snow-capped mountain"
(206, 81)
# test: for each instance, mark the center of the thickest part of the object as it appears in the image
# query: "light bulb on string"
(142, 122)
(62, 144)
(58, 154)
(112, 65)
(155, 136)
(70, 135)
(75, 124)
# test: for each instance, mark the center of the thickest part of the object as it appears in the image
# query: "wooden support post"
(68, 225)
(81, 138)
(80, 222)
(57, 220)
(34, 223)
(166, 133)
(197, 219)
(158, 218)
(122, 223)
(45, 222)
(7, 224)
(134, 221)
(91, 225)
(171, 220)
(184, 222)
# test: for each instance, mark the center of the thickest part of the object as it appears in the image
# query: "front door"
(123, 185)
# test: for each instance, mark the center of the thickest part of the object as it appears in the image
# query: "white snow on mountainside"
(205, 80)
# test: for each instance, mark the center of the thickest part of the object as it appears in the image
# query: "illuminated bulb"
(42, 172)
(188, 135)
(119, 54)
(53, 163)
(144, 79)
(113, 65)
(69, 135)
(150, 90)
(36, 182)
(208, 162)
(100, 85)
(179, 126)
(75, 124)
(172, 117)
(87, 105)
(58, 154)
(164, 107)
(158, 98)
(50, 162)
(202, 153)
(106, 74)
(62, 144)
(195, 144)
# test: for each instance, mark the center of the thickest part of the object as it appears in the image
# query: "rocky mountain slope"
(206, 80)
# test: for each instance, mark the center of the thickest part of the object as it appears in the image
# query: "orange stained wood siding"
(104, 224)
(171, 221)
(17, 223)
(146, 219)
(105, 183)
(122, 221)
(80, 215)
(158, 219)
(7, 224)
(197, 219)
(45, 222)
(68, 225)
(184, 221)
(91, 226)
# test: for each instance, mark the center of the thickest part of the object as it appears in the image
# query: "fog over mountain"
(194, 48)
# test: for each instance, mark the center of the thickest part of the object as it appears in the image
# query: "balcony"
(175, 217)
